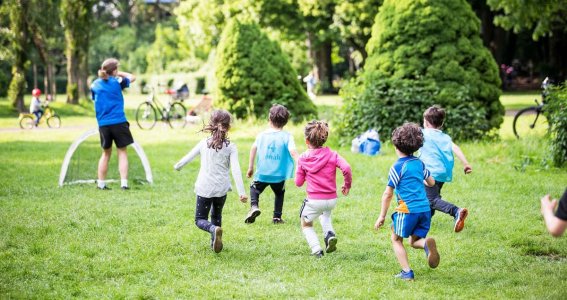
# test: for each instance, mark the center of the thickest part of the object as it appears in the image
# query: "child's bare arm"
(251, 161)
(461, 156)
(386, 199)
(554, 225)
(429, 181)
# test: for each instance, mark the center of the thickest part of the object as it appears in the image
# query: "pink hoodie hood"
(318, 168)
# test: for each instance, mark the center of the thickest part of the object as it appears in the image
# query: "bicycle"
(527, 119)
(174, 113)
(27, 120)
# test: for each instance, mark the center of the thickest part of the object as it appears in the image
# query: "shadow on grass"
(540, 247)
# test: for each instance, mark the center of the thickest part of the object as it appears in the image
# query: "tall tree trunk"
(72, 75)
(18, 27)
(325, 66)
(53, 86)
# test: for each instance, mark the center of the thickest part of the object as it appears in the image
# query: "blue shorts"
(416, 224)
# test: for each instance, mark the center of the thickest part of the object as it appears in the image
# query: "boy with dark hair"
(275, 151)
(412, 216)
(437, 154)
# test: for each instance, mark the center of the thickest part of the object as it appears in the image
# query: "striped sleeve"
(426, 172)
(393, 178)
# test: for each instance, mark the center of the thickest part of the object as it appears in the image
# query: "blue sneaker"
(405, 275)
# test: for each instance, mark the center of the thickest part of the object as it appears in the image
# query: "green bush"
(252, 74)
(556, 113)
(421, 53)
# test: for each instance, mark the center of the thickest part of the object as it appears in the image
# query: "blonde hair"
(107, 68)
(316, 132)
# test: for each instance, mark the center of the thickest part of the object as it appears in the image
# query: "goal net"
(81, 162)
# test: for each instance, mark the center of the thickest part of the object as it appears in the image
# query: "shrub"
(252, 74)
(556, 113)
(421, 53)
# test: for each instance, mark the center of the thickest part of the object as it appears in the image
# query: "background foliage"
(556, 112)
(420, 53)
(253, 73)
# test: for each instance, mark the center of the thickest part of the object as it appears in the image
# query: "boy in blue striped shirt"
(412, 216)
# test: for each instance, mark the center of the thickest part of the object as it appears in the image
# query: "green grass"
(519, 100)
(79, 242)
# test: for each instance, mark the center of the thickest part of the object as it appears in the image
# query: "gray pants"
(437, 203)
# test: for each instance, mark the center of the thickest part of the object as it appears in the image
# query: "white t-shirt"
(35, 105)
(213, 179)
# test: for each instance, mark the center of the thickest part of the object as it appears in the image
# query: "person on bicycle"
(35, 105)
(112, 124)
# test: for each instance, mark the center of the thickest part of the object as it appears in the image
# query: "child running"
(412, 216)
(218, 154)
(437, 154)
(275, 151)
(318, 167)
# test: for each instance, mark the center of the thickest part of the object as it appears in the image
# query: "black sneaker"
(278, 221)
(330, 242)
(217, 239)
(318, 254)
(125, 188)
(104, 188)
(252, 214)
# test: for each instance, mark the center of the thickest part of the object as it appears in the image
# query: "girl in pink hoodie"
(318, 166)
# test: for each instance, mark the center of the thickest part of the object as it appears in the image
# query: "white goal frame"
(82, 138)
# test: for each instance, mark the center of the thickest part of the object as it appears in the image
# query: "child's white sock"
(312, 239)
(326, 224)
(101, 183)
(123, 182)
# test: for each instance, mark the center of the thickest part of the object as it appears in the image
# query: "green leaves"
(253, 73)
(556, 113)
(423, 53)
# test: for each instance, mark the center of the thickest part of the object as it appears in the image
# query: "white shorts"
(312, 209)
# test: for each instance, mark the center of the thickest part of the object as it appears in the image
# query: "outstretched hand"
(468, 169)
(249, 172)
(547, 204)
(243, 198)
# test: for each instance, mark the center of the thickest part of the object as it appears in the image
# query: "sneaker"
(405, 275)
(330, 242)
(278, 221)
(433, 257)
(125, 188)
(217, 239)
(460, 219)
(252, 214)
(318, 254)
(104, 188)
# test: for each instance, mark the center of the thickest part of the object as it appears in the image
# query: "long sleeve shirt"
(213, 179)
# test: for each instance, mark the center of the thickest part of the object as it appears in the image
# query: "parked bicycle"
(27, 120)
(174, 113)
(526, 120)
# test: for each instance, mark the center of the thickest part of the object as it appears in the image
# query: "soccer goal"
(81, 162)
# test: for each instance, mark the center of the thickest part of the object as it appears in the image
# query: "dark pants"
(437, 203)
(38, 115)
(257, 187)
(213, 205)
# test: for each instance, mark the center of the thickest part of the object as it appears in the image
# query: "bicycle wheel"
(529, 123)
(27, 122)
(146, 116)
(177, 115)
(54, 121)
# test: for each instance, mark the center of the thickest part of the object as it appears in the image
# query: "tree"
(18, 42)
(421, 53)
(76, 18)
(253, 74)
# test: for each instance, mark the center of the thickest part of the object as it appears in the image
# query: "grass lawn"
(77, 241)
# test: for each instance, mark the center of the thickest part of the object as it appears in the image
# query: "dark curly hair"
(408, 138)
(218, 126)
(316, 132)
(279, 115)
(435, 115)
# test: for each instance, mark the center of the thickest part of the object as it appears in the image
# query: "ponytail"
(218, 126)
(107, 68)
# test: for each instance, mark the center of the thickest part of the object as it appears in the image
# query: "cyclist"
(35, 105)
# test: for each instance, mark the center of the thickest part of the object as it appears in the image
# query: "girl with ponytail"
(219, 156)
(112, 124)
